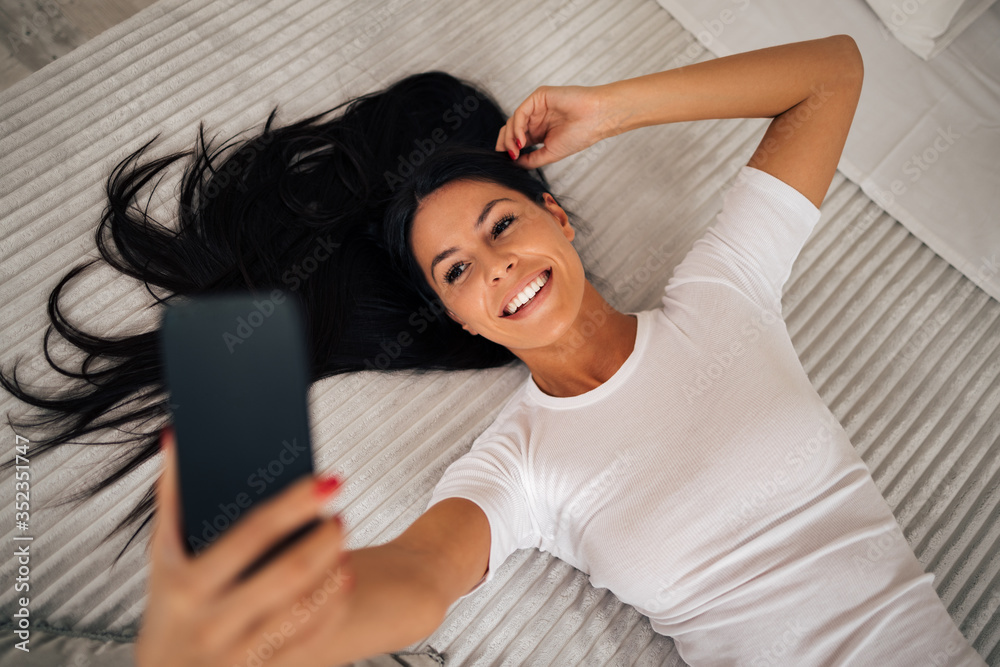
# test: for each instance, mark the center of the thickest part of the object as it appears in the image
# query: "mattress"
(904, 349)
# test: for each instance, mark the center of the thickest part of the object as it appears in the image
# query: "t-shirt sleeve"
(754, 241)
(491, 475)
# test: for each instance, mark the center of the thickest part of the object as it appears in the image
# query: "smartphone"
(236, 371)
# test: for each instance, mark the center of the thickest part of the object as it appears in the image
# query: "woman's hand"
(567, 119)
(199, 613)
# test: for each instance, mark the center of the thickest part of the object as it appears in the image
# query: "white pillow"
(927, 27)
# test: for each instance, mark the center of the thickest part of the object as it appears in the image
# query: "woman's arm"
(307, 606)
(405, 587)
(394, 602)
(810, 88)
(755, 84)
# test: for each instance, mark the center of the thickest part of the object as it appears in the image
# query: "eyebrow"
(448, 252)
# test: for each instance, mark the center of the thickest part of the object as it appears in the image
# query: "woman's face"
(481, 244)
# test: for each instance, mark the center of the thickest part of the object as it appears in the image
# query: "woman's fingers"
(174, 605)
(320, 610)
(307, 636)
(537, 158)
(251, 536)
(505, 144)
(515, 135)
(165, 542)
(265, 524)
(198, 613)
(566, 119)
(306, 576)
(531, 109)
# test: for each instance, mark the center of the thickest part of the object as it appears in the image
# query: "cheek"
(471, 306)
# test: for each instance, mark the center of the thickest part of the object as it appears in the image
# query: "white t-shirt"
(707, 484)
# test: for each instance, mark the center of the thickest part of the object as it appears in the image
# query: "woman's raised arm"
(810, 88)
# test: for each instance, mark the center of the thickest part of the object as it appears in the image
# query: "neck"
(588, 354)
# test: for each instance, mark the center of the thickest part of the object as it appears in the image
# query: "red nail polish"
(518, 142)
(511, 154)
(324, 486)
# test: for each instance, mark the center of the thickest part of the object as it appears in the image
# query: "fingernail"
(324, 486)
(518, 142)
(340, 520)
(511, 154)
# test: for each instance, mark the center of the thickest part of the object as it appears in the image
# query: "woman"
(748, 538)
(759, 538)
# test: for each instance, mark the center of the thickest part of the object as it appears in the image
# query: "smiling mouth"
(527, 294)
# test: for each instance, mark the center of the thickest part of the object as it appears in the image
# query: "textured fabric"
(706, 483)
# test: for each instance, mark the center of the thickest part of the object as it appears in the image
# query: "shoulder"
(753, 188)
(754, 241)
(512, 424)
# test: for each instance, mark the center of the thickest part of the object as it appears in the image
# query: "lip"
(520, 288)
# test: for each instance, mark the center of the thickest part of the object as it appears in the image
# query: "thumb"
(166, 539)
(536, 158)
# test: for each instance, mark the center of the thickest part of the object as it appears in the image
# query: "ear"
(464, 325)
(560, 215)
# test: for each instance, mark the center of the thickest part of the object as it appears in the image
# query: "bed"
(902, 345)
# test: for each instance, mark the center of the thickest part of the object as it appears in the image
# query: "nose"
(501, 267)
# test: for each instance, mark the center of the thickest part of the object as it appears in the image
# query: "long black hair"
(298, 208)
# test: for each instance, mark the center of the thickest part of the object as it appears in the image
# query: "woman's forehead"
(463, 194)
(456, 208)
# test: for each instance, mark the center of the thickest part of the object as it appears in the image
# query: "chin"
(549, 332)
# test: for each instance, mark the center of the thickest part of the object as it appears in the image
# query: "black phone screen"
(237, 374)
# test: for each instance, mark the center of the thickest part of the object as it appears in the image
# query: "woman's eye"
(502, 224)
(453, 273)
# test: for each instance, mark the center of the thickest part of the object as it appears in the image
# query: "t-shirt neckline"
(606, 388)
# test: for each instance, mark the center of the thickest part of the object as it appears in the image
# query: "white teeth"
(526, 294)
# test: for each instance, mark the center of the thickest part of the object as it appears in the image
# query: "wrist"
(614, 118)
